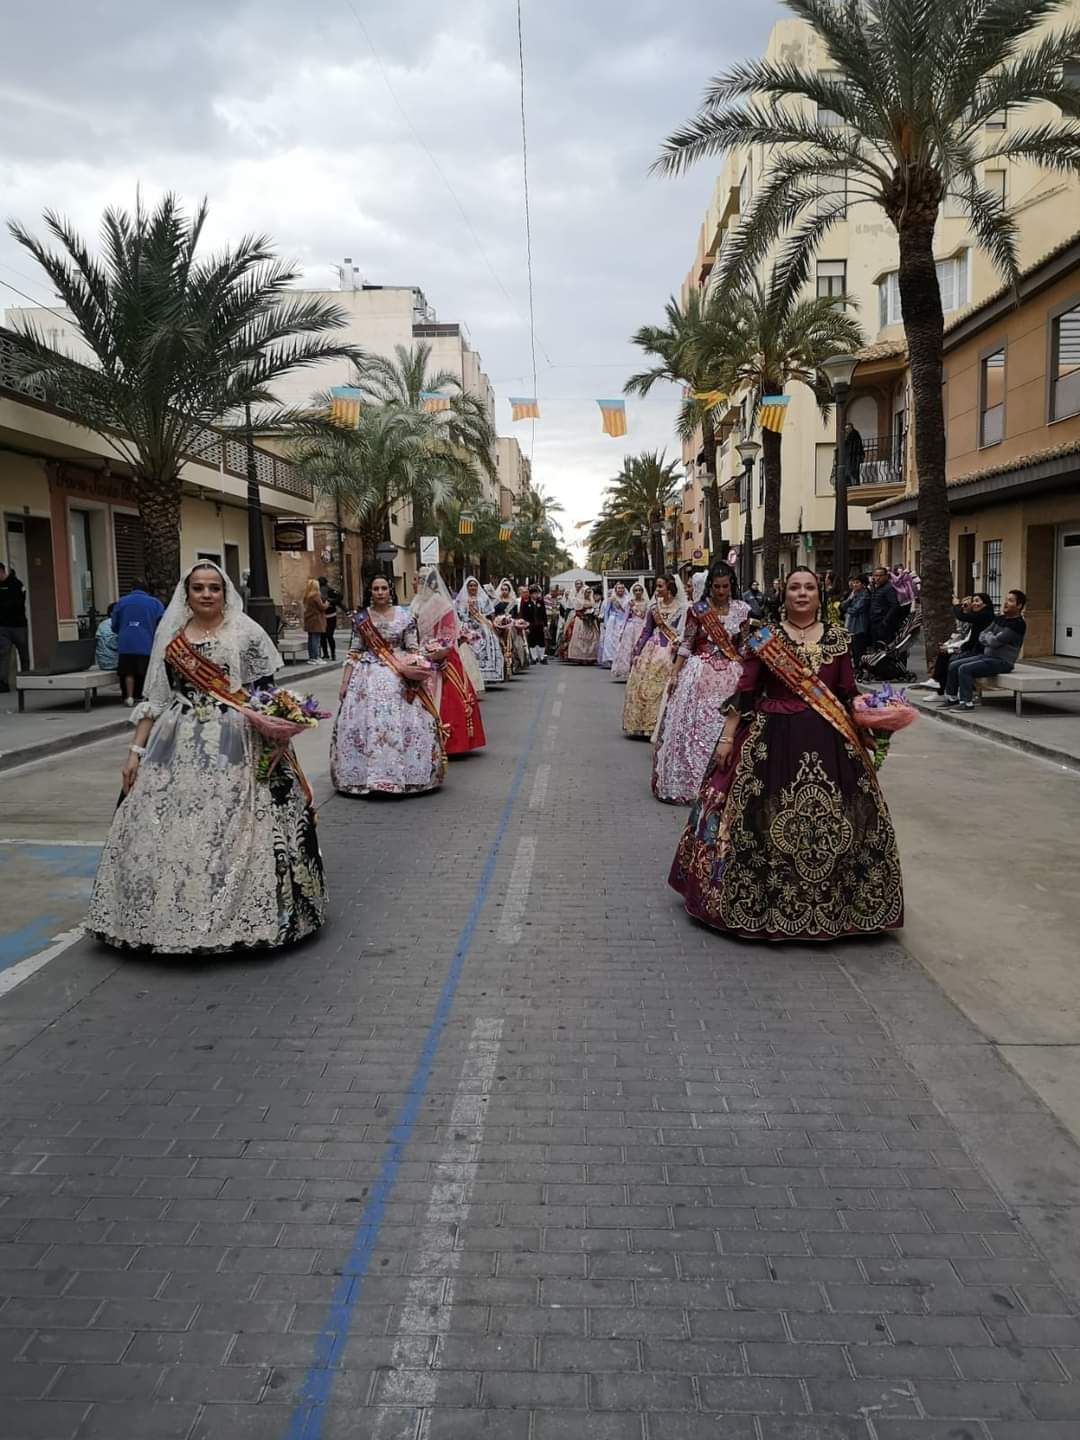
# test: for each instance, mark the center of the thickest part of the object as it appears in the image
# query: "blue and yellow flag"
(524, 408)
(433, 401)
(345, 403)
(614, 413)
(772, 412)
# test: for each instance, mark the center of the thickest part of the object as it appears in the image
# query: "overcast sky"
(283, 118)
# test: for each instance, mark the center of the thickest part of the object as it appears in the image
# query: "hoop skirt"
(459, 708)
(649, 676)
(624, 651)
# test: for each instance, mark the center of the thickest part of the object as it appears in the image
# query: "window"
(826, 117)
(994, 183)
(952, 279)
(992, 397)
(831, 278)
(998, 120)
(889, 299)
(1065, 363)
(992, 571)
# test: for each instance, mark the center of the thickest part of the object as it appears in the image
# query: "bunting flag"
(524, 408)
(773, 409)
(710, 398)
(614, 413)
(433, 401)
(505, 531)
(345, 402)
(466, 523)
(536, 544)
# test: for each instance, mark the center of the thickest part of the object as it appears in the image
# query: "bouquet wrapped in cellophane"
(883, 712)
(279, 715)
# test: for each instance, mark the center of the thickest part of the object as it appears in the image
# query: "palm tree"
(681, 347)
(179, 342)
(776, 336)
(912, 86)
(637, 501)
(461, 438)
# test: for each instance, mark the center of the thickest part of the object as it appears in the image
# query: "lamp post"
(259, 606)
(748, 453)
(839, 371)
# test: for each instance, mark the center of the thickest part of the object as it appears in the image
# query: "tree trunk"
(920, 301)
(159, 499)
(770, 535)
(713, 509)
(658, 548)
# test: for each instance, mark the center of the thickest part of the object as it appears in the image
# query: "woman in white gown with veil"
(474, 607)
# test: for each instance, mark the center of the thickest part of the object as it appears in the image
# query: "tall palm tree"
(461, 438)
(682, 347)
(178, 341)
(775, 336)
(912, 84)
(637, 500)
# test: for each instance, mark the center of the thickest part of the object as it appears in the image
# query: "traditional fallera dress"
(654, 655)
(793, 841)
(203, 855)
(583, 645)
(570, 605)
(515, 654)
(459, 709)
(694, 715)
(387, 736)
(613, 617)
(631, 633)
(476, 613)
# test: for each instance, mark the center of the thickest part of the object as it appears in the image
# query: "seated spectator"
(855, 612)
(1001, 642)
(106, 653)
(973, 614)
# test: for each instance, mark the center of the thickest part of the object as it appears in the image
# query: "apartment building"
(858, 258)
(515, 474)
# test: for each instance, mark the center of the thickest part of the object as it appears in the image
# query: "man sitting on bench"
(1002, 641)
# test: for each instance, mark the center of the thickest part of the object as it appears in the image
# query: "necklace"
(802, 629)
(206, 632)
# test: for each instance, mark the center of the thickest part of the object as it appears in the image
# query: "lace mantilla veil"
(240, 646)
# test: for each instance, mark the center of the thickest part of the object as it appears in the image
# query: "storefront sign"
(886, 529)
(290, 535)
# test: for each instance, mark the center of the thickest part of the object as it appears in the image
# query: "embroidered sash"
(458, 680)
(781, 658)
(672, 636)
(212, 680)
(718, 633)
(414, 689)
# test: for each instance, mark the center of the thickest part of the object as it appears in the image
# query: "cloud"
(290, 128)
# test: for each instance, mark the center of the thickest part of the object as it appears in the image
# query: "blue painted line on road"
(66, 862)
(19, 944)
(306, 1421)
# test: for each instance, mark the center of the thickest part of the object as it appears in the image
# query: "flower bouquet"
(279, 715)
(883, 712)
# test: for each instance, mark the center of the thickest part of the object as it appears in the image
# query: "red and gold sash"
(212, 680)
(781, 658)
(718, 633)
(414, 689)
(659, 623)
(457, 677)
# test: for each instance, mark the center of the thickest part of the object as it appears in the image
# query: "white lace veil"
(483, 599)
(500, 598)
(697, 586)
(431, 603)
(244, 648)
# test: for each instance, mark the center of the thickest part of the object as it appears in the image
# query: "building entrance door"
(1067, 599)
(29, 548)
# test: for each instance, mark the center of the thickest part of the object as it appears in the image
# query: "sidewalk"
(49, 727)
(1048, 728)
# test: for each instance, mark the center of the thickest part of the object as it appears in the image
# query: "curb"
(987, 732)
(26, 754)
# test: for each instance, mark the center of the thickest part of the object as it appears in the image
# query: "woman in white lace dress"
(204, 856)
(387, 736)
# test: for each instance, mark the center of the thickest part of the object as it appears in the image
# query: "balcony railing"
(209, 447)
(882, 462)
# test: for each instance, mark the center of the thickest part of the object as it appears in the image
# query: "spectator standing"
(754, 597)
(855, 610)
(315, 609)
(134, 619)
(884, 608)
(1001, 642)
(106, 656)
(332, 600)
(14, 632)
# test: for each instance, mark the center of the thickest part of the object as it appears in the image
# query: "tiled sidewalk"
(643, 1184)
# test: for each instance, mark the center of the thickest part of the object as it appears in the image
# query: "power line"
(37, 304)
(528, 216)
(434, 162)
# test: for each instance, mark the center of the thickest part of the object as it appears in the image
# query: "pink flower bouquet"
(279, 715)
(883, 712)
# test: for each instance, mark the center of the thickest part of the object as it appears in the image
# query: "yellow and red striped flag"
(710, 398)
(345, 402)
(614, 413)
(505, 531)
(772, 412)
(524, 407)
(433, 401)
(466, 523)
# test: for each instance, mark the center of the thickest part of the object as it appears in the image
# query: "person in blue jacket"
(134, 619)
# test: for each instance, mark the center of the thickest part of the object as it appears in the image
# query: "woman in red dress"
(790, 838)
(437, 623)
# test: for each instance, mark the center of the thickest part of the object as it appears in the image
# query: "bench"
(88, 681)
(1030, 680)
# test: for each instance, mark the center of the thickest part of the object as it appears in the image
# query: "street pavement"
(514, 1150)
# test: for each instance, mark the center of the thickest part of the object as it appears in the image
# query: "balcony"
(881, 472)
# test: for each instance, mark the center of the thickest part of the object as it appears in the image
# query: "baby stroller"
(889, 662)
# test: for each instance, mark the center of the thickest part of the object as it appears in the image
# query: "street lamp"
(748, 453)
(259, 606)
(839, 371)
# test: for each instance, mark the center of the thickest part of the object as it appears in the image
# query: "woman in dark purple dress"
(791, 838)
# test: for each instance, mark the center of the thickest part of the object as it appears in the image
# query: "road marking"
(560, 689)
(448, 1210)
(81, 844)
(517, 892)
(540, 787)
(23, 969)
(309, 1412)
(556, 710)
